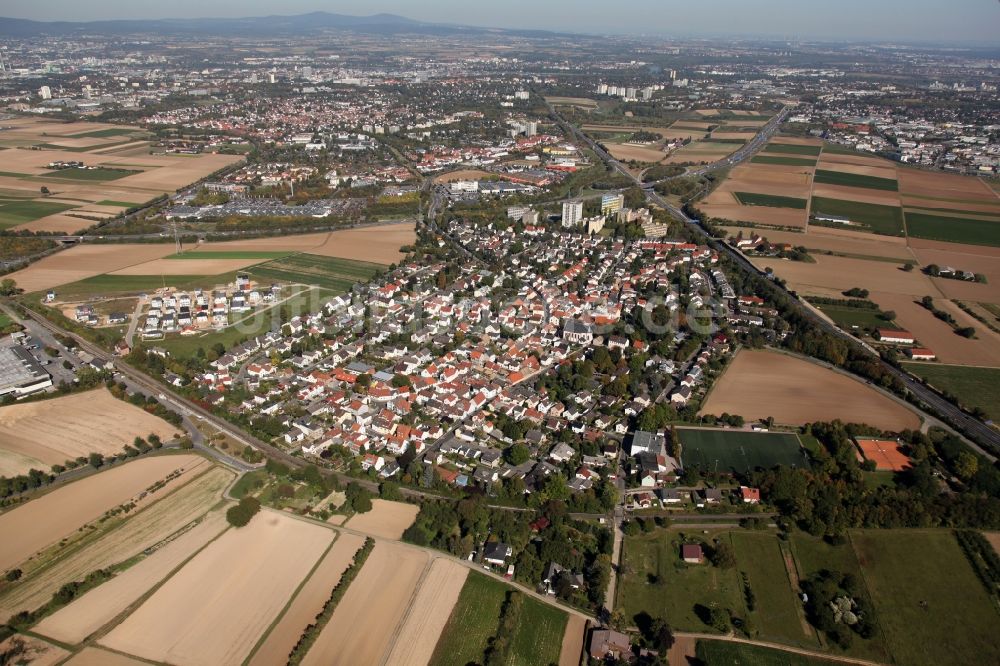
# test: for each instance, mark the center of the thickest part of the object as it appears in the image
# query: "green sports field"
(791, 149)
(784, 161)
(770, 200)
(739, 450)
(855, 180)
(885, 220)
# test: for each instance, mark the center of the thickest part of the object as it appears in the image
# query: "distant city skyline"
(956, 21)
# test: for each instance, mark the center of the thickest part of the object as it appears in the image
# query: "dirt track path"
(777, 646)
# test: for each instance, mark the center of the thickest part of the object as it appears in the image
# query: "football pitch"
(740, 451)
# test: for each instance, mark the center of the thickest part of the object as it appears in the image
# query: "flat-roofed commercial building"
(20, 373)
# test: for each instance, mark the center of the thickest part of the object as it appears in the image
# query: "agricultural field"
(57, 514)
(783, 161)
(777, 614)
(878, 218)
(74, 623)
(386, 519)
(35, 652)
(742, 451)
(947, 228)
(792, 149)
(473, 620)
(916, 578)
(974, 387)
(538, 636)
(115, 542)
(85, 261)
(429, 612)
(728, 653)
(758, 384)
(363, 626)
(582, 102)
(658, 582)
(126, 173)
(14, 212)
(281, 639)
(773, 201)
(853, 319)
(209, 612)
(329, 273)
(38, 435)
(848, 179)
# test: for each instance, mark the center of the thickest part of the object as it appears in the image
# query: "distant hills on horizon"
(254, 25)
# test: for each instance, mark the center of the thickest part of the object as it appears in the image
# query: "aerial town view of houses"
(331, 339)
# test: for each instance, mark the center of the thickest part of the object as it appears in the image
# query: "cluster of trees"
(359, 499)
(839, 607)
(240, 515)
(498, 649)
(946, 317)
(832, 496)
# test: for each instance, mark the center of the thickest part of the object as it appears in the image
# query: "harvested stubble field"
(72, 624)
(214, 609)
(842, 241)
(59, 513)
(428, 614)
(975, 258)
(174, 267)
(91, 656)
(831, 275)
(650, 154)
(85, 261)
(758, 384)
(463, 174)
(122, 539)
(757, 215)
(983, 350)
(307, 604)
(41, 434)
(362, 628)
(386, 519)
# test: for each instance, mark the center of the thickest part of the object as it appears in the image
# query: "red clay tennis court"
(885, 453)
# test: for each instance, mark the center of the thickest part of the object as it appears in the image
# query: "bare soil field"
(308, 602)
(857, 160)
(386, 519)
(464, 174)
(85, 261)
(378, 244)
(760, 215)
(864, 195)
(36, 652)
(72, 624)
(572, 644)
(994, 539)
(796, 140)
(944, 185)
(939, 336)
(41, 434)
(842, 273)
(707, 112)
(427, 615)
(187, 267)
(366, 620)
(121, 540)
(758, 384)
(975, 258)
(52, 516)
(626, 152)
(215, 608)
(92, 656)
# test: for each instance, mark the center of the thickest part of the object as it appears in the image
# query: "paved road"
(965, 423)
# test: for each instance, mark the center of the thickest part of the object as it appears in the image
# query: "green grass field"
(777, 609)
(838, 149)
(885, 220)
(974, 387)
(539, 634)
(5, 321)
(90, 175)
(973, 214)
(13, 213)
(13, 174)
(103, 133)
(951, 229)
(235, 254)
(784, 161)
(770, 200)
(656, 581)
(123, 204)
(327, 272)
(472, 622)
(850, 317)
(723, 653)
(930, 604)
(739, 450)
(792, 149)
(855, 180)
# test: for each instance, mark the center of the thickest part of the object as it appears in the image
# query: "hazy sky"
(920, 20)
